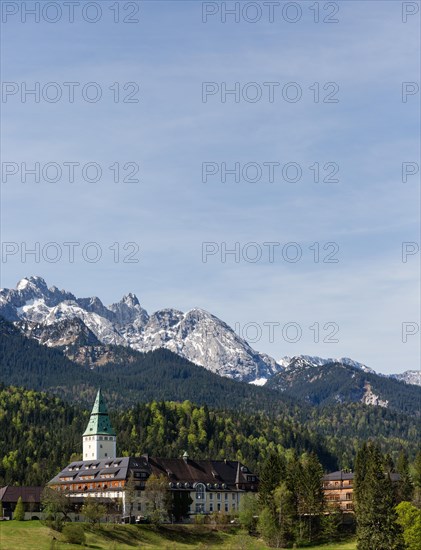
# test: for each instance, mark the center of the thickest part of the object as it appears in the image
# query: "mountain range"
(87, 332)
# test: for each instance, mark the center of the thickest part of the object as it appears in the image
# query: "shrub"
(74, 533)
(199, 519)
(19, 513)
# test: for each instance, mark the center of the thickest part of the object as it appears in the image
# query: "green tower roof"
(99, 422)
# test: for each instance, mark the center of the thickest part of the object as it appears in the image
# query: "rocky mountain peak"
(130, 300)
(33, 283)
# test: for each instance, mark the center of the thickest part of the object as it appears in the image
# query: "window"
(218, 496)
(226, 496)
(139, 507)
(233, 496)
(210, 496)
(200, 491)
(211, 507)
(200, 508)
(219, 506)
(226, 507)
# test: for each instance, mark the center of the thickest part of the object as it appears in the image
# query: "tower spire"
(99, 438)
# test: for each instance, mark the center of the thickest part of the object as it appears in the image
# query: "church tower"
(99, 439)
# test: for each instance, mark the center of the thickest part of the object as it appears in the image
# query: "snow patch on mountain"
(409, 377)
(314, 361)
(196, 335)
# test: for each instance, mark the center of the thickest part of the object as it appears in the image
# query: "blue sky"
(170, 132)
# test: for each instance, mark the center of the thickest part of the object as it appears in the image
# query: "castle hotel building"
(213, 485)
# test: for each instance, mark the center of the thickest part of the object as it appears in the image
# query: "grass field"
(32, 535)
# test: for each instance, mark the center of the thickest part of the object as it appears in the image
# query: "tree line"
(290, 509)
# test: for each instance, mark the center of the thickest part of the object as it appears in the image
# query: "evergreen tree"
(417, 480)
(405, 488)
(360, 474)
(376, 517)
(19, 513)
(310, 494)
(181, 502)
(271, 474)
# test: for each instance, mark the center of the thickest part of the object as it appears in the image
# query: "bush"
(74, 533)
(19, 513)
(199, 519)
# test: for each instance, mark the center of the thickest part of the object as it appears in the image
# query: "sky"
(165, 134)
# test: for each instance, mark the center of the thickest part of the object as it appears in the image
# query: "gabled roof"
(78, 471)
(216, 474)
(181, 472)
(99, 422)
(9, 493)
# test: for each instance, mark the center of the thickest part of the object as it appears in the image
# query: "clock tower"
(99, 438)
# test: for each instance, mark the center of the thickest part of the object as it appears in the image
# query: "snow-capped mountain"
(85, 329)
(412, 377)
(314, 361)
(57, 318)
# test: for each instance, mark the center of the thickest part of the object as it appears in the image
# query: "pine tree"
(375, 503)
(360, 473)
(271, 474)
(417, 480)
(310, 494)
(405, 488)
(19, 513)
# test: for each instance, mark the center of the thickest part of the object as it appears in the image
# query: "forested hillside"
(156, 375)
(150, 398)
(39, 433)
(338, 383)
